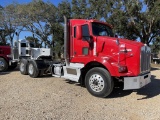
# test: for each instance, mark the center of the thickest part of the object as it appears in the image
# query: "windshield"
(32, 45)
(99, 29)
(23, 45)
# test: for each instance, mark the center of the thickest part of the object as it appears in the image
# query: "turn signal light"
(122, 69)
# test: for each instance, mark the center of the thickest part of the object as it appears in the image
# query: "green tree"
(80, 9)
(58, 39)
(34, 40)
(38, 17)
(135, 19)
(155, 47)
(7, 23)
(99, 9)
(132, 19)
(64, 9)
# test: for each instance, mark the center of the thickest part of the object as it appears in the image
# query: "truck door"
(81, 47)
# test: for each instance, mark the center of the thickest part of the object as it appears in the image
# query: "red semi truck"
(95, 57)
(6, 60)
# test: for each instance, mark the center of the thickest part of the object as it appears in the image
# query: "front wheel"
(99, 82)
(3, 65)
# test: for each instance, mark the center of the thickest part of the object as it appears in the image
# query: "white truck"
(155, 58)
(24, 51)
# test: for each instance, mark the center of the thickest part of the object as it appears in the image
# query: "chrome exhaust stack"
(66, 42)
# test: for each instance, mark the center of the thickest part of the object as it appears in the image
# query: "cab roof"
(83, 21)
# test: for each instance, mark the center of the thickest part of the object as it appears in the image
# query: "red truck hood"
(131, 42)
(6, 50)
(121, 40)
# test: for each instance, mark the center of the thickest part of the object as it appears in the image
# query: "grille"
(15, 53)
(145, 59)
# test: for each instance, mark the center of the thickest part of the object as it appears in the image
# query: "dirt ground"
(49, 98)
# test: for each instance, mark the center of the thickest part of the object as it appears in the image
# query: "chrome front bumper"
(136, 82)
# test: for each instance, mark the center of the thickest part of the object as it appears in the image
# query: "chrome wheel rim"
(1, 64)
(22, 67)
(96, 82)
(31, 69)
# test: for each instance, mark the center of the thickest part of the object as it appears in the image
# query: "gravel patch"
(50, 98)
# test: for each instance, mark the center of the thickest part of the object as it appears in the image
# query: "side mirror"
(79, 32)
(89, 39)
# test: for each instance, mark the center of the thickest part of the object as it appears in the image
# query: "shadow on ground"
(117, 91)
(149, 91)
(9, 71)
(154, 68)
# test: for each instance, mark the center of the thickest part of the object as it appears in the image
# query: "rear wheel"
(99, 82)
(32, 69)
(3, 65)
(23, 67)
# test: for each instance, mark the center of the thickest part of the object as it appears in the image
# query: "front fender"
(107, 63)
(112, 69)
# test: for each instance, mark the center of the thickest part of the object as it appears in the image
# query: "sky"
(7, 2)
(25, 34)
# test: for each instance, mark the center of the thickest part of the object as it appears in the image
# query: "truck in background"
(155, 58)
(6, 60)
(95, 57)
(22, 50)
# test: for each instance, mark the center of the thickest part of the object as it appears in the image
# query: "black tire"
(99, 82)
(3, 65)
(32, 69)
(23, 67)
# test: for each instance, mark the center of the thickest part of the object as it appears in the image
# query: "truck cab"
(91, 44)
(92, 41)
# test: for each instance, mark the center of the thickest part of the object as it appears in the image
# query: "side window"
(31, 44)
(85, 32)
(23, 45)
(74, 32)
